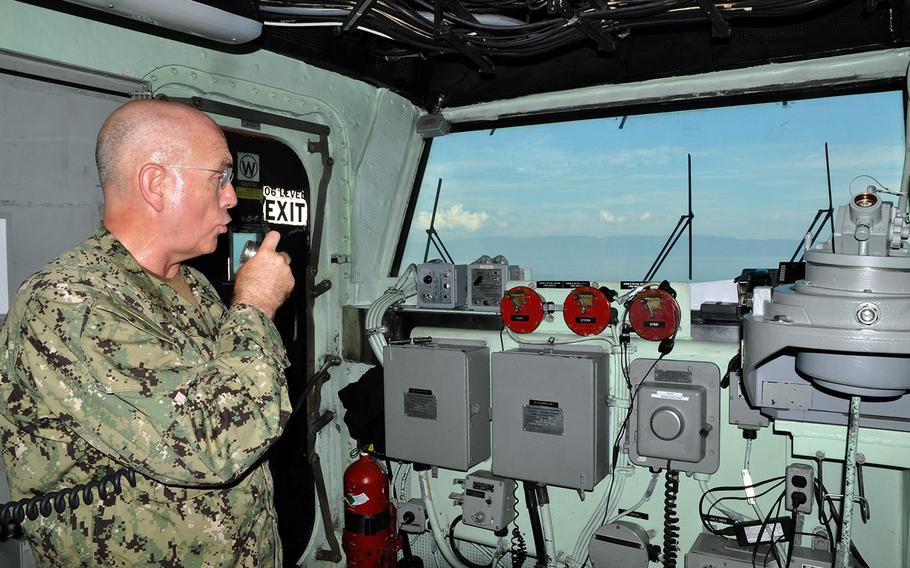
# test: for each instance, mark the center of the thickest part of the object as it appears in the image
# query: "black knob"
(427, 279)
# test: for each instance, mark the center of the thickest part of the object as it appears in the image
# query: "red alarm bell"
(521, 309)
(654, 315)
(586, 311)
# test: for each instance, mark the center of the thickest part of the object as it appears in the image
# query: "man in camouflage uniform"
(117, 356)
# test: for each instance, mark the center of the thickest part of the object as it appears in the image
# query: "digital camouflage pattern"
(106, 367)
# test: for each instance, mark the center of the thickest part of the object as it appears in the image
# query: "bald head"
(145, 131)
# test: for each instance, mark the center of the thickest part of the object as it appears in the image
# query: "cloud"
(610, 218)
(646, 216)
(659, 155)
(455, 217)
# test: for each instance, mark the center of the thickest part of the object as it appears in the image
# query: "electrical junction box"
(675, 423)
(489, 501)
(437, 403)
(412, 516)
(441, 285)
(550, 415)
(711, 551)
(487, 283)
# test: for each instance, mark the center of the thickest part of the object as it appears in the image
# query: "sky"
(758, 173)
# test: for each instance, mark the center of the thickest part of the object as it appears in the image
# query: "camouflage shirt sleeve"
(172, 411)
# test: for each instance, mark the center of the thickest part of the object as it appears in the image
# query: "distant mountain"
(615, 258)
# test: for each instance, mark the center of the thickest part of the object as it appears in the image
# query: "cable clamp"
(749, 487)
(614, 402)
(863, 502)
(376, 330)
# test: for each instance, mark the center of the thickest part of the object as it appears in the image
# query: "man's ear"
(152, 180)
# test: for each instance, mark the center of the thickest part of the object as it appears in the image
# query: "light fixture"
(183, 16)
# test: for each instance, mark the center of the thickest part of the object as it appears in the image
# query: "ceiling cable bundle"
(482, 30)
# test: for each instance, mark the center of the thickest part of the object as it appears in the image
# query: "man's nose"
(228, 196)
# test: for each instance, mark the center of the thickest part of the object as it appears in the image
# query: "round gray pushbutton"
(667, 423)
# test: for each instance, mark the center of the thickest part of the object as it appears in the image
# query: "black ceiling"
(446, 51)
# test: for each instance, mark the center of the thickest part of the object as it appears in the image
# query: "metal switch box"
(437, 403)
(550, 415)
(411, 516)
(489, 501)
(487, 283)
(441, 285)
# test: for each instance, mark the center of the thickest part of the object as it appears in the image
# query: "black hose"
(536, 528)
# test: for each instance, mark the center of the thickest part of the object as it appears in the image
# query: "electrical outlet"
(800, 488)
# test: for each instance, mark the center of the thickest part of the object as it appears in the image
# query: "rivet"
(867, 314)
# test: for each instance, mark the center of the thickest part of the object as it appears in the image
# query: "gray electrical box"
(551, 416)
(487, 283)
(411, 516)
(441, 285)
(676, 421)
(710, 551)
(437, 403)
(489, 501)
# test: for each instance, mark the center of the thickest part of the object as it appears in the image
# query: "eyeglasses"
(227, 174)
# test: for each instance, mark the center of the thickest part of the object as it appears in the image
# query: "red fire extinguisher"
(370, 539)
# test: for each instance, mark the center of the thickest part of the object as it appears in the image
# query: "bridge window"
(598, 198)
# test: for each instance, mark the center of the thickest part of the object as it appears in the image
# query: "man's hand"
(265, 281)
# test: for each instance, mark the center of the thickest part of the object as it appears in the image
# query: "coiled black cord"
(457, 552)
(519, 549)
(45, 504)
(671, 521)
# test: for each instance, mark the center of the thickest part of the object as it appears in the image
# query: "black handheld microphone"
(249, 250)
